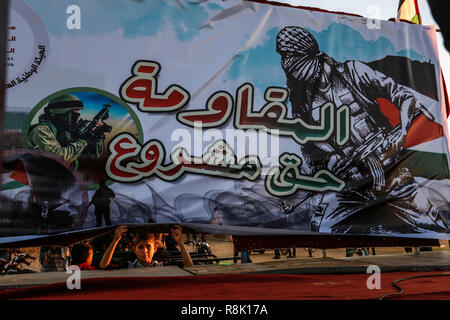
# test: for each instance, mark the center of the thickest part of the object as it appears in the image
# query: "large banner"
(238, 114)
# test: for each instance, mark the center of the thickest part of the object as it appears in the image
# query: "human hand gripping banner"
(244, 115)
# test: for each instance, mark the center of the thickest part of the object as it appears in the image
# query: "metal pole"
(4, 13)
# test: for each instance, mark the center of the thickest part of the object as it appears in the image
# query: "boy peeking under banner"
(144, 247)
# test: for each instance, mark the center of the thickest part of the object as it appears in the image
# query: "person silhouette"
(101, 201)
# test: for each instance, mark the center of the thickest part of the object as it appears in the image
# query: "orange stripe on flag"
(422, 130)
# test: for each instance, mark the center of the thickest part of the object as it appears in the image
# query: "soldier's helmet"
(64, 104)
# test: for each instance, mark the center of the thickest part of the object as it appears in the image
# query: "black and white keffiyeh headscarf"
(300, 54)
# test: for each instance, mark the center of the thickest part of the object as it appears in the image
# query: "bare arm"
(185, 256)
(106, 259)
(47, 257)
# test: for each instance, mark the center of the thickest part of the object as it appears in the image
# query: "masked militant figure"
(380, 195)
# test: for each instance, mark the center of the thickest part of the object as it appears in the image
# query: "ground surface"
(223, 247)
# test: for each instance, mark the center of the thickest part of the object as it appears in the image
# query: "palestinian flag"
(423, 142)
(409, 10)
(16, 178)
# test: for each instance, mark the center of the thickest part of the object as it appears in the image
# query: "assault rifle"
(89, 129)
(372, 150)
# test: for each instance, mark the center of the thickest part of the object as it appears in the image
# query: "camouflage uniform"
(53, 132)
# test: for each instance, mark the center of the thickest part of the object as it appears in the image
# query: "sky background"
(382, 9)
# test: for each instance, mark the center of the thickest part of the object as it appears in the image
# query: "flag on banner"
(16, 179)
(409, 10)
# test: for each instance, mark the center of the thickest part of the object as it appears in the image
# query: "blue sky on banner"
(94, 101)
(253, 63)
(131, 16)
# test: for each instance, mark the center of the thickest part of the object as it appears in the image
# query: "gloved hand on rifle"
(95, 138)
(394, 144)
(338, 166)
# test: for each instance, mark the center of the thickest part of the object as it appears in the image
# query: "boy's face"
(144, 251)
